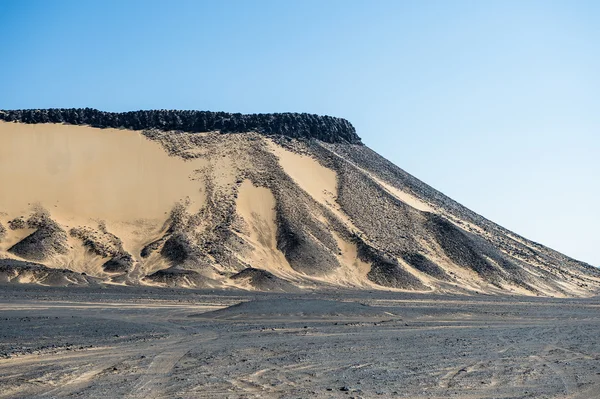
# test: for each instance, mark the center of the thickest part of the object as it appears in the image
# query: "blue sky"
(494, 103)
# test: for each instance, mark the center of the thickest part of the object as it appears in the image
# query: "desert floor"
(162, 343)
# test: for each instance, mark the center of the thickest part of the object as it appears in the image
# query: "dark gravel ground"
(142, 343)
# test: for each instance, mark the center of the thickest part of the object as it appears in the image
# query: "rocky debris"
(17, 223)
(302, 249)
(98, 240)
(460, 248)
(263, 280)
(178, 248)
(152, 247)
(208, 237)
(387, 222)
(2, 231)
(472, 252)
(47, 240)
(302, 346)
(386, 270)
(303, 237)
(101, 242)
(185, 244)
(501, 239)
(174, 277)
(15, 271)
(425, 265)
(196, 241)
(324, 128)
(13, 352)
(120, 263)
(393, 229)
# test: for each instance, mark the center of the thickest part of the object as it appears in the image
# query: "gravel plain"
(112, 342)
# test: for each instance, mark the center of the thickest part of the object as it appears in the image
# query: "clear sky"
(494, 103)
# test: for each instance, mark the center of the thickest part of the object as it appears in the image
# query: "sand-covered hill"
(242, 206)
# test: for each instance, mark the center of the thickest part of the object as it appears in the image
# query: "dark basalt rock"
(324, 128)
(385, 269)
(102, 242)
(48, 239)
(152, 247)
(174, 277)
(461, 248)
(264, 280)
(177, 248)
(17, 224)
(11, 270)
(118, 264)
(425, 265)
(304, 253)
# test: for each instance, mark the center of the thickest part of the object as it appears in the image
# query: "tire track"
(152, 382)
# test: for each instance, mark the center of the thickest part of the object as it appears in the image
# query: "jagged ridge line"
(296, 125)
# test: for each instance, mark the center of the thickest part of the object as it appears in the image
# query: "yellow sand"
(96, 173)
(84, 175)
(256, 205)
(353, 271)
(404, 196)
(317, 180)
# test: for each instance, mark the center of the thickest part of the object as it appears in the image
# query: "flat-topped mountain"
(324, 128)
(289, 202)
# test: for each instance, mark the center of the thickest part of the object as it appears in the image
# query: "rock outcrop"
(325, 128)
